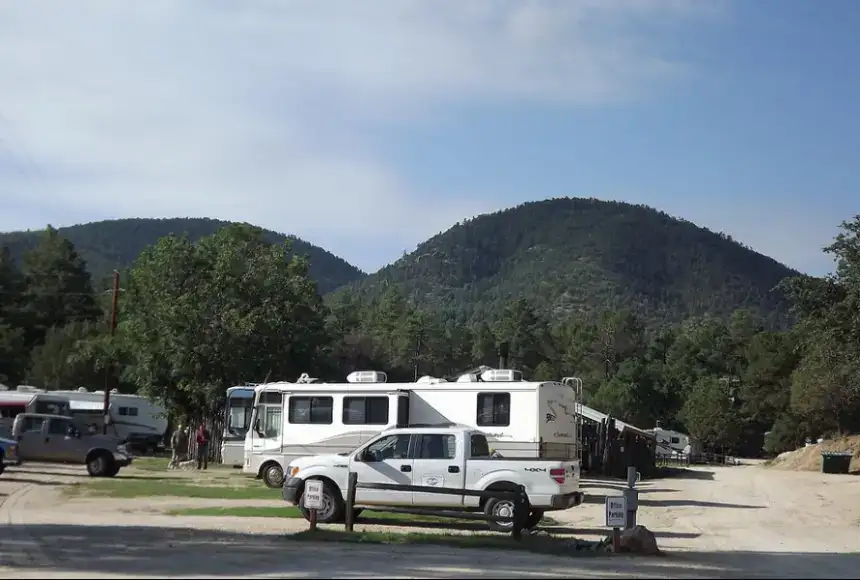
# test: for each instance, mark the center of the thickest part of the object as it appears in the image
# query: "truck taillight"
(557, 475)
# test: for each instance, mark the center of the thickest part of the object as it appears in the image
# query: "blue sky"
(366, 129)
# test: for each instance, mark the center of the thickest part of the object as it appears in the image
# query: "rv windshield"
(239, 409)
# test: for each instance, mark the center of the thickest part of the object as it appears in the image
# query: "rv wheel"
(273, 475)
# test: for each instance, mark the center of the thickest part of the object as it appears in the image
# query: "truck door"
(60, 444)
(386, 460)
(438, 464)
(31, 441)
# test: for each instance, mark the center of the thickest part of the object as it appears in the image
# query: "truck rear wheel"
(499, 507)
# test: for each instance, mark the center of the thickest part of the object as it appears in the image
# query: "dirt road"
(724, 523)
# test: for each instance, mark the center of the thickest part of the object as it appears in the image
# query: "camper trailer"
(27, 399)
(520, 418)
(674, 443)
(237, 420)
(133, 418)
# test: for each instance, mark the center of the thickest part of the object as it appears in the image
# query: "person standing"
(179, 443)
(202, 446)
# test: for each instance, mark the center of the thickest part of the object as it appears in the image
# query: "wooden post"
(313, 519)
(350, 500)
(521, 512)
(616, 540)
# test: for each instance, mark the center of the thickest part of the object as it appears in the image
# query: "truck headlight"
(122, 449)
(292, 471)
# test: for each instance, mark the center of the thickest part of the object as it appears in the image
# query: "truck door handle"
(453, 469)
(405, 468)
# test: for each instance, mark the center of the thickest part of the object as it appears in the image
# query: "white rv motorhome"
(293, 420)
(27, 399)
(237, 421)
(137, 420)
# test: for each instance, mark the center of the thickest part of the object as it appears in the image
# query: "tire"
(99, 464)
(113, 471)
(273, 475)
(535, 516)
(499, 507)
(334, 508)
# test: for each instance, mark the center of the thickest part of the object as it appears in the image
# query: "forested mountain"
(583, 256)
(115, 244)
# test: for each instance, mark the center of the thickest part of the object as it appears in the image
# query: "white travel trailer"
(674, 443)
(237, 421)
(29, 400)
(134, 418)
(293, 420)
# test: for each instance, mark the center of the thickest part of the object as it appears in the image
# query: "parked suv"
(54, 438)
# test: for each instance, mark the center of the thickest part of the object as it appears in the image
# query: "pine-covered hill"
(578, 257)
(114, 244)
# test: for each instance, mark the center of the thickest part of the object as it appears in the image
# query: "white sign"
(313, 494)
(616, 511)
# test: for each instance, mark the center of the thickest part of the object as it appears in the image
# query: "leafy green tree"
(13, 348)
(230, 309)
(59, 289)
(711, 415)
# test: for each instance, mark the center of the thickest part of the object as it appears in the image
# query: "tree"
(711, 415)
(59, 289)
(227, 310)
(13, 350)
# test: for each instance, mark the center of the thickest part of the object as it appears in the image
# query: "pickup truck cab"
(56, 439)
(8, 453)
(451, 457)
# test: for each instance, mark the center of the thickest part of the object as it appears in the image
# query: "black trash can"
(836, 461)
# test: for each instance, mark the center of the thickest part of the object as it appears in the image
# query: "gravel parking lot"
(723, 522)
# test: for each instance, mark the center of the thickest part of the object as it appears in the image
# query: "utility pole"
(113, 306)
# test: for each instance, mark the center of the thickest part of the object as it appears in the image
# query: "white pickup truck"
(452, 457)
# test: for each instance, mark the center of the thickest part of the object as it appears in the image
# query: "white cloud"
(252, 109)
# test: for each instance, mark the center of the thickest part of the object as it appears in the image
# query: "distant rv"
(674, 443)
(137, 420)
(29, 400)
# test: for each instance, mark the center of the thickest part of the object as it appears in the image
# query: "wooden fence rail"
(519, 498)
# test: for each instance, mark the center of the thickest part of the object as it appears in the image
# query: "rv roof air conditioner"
(367, 377)
(501, 376)
(431, 380)
(27, 388)
(468, 378)
(306, 379)
(82, 389)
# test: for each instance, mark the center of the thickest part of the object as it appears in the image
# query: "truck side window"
(494, 409)
(391, 447)
(437, 447)
(32, 424)
(58, 427)
(480, 447)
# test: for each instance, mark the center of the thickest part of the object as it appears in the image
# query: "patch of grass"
(150, 463)
(540, 544)
(131, 488)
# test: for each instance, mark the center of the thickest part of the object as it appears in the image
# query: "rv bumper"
(568, 500)
(291, 489)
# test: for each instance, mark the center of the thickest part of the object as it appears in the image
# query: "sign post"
(616, 516)
(312, 499)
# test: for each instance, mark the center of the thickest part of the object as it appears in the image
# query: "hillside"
(580, 256)
(114, 244)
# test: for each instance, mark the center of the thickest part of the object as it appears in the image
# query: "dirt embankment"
(809, 458)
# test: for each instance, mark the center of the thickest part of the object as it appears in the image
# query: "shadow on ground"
(600, 498)
(120, 475)
(30, 551)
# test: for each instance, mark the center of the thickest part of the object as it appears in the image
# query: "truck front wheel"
(333, 507)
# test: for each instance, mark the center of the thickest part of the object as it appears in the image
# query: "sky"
(367, 126)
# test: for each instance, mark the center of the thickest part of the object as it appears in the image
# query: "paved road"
(41, 537)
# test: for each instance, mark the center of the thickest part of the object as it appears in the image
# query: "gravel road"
(735, 522)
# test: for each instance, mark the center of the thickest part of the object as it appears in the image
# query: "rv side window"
(494, 409)
(128, 411)
(272, 422)
(271, 398)
(480, 447)
(11, 411)
(50, 408)
(365, 410)
(676, 440)
(311, 410)
(437, 447)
